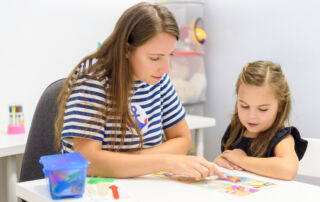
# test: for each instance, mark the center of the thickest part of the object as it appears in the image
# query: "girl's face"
(257, 108)
(151, 60)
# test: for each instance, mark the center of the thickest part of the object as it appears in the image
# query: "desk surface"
(15, 144)
(153, 189)
(195, 122)
(12, 144)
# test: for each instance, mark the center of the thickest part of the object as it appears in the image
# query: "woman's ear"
(127, 50)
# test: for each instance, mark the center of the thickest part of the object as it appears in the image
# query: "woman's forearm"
(122, 165)
(116, 164)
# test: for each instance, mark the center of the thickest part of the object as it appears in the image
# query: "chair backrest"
(41, 134)
(310, 164)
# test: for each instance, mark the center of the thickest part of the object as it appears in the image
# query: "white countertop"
(154, 189)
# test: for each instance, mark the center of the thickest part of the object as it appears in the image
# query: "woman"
(118, 101)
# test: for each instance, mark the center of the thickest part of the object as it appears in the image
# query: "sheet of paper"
(235, 185)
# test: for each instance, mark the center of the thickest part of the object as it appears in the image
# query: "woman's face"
(257, 108)
(151, 60)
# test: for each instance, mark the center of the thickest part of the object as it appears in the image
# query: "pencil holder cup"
(16, 120)
(65, 174)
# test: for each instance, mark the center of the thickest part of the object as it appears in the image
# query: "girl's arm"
(223, 162)
(124, 165)
(283, 166)
(178, 141)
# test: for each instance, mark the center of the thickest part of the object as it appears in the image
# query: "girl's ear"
(279, 107)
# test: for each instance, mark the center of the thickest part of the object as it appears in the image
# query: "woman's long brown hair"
(261, 73)
(135, 27)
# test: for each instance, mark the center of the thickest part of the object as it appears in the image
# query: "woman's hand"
(223, 162)
(193, 166)
(235, 156)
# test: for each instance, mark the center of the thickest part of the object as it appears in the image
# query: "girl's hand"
(235, 156)
(193, 166)
(223, 162)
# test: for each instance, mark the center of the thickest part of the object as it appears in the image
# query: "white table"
(13, 145)
(10, 147)
(153, 189)
(198, 123)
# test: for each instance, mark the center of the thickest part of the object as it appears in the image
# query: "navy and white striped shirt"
(153, 107)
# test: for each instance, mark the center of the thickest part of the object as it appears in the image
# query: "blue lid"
(63, 161)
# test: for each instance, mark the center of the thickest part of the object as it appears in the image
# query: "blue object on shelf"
(66, 174)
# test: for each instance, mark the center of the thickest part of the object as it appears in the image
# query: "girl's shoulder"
(284, 132)
(287, 131)
(300, 144)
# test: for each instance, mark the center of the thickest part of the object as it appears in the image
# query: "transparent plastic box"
(65, 174)
(187, 63)
(188, 78)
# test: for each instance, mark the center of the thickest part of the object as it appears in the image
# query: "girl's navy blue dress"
(300, 144)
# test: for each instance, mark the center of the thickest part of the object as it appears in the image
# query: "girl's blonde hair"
(261, 73)
(135, 27)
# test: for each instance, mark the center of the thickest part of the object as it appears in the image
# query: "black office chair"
(41, 135)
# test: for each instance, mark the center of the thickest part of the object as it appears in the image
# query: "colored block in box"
(65, 174)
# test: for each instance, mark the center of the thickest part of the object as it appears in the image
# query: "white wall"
(239, 31)
(42, 40)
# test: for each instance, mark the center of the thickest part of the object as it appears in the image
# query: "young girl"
(117, 102)
(257, 140)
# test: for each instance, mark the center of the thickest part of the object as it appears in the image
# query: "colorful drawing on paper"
(173, 176)
(239, 186)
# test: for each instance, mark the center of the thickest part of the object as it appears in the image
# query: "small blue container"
(66, 174)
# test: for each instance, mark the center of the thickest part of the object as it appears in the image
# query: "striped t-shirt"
(153, 107)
